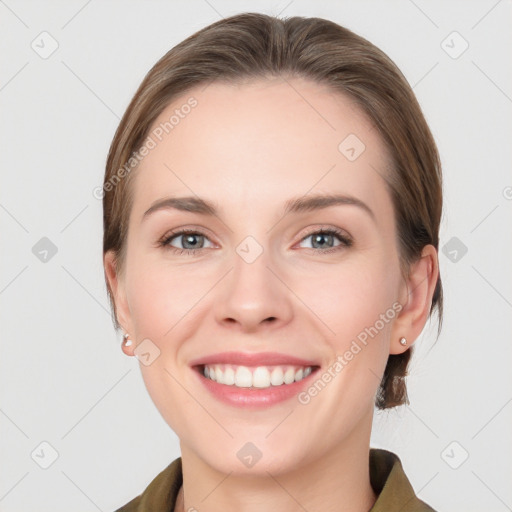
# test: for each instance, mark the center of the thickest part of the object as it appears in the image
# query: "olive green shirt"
(393, 489)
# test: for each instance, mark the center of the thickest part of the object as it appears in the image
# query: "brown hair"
(252, 45)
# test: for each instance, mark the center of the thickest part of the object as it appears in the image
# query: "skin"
(250, 148)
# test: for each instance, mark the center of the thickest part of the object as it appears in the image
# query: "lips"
(254, 380)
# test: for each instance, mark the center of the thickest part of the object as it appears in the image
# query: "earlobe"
(418, 292)
(127, 345)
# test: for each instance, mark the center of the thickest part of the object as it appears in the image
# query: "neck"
(336, 481)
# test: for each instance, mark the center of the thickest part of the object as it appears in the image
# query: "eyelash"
(164, 242)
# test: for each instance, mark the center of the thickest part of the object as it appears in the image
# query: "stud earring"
(126, 340)
(403, 341)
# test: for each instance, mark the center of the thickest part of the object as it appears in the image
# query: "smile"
(255, 377)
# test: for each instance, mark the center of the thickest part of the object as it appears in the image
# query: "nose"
(253, 296)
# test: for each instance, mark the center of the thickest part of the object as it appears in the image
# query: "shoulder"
(391, 485)
(161, 493)
(131, 506)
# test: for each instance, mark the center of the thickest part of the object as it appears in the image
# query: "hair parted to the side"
(254, 46)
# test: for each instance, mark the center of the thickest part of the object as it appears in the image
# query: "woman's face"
(258, 279)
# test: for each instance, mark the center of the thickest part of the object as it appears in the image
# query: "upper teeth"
(258, 377)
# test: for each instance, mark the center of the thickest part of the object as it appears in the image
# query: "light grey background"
(64, 379)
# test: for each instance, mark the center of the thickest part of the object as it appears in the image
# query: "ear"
(117, 287)
(416, 298)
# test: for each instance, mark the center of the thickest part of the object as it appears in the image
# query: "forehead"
(260, 143)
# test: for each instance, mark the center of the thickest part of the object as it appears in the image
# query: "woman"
(271, 213)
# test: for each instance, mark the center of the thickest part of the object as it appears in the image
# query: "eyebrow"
(294, 205)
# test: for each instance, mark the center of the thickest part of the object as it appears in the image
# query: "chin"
(242, 457)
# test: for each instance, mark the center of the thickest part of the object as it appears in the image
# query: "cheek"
(160, 297)
(161, 301)
(355, 302)
(351, 300)
(358, 305)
